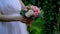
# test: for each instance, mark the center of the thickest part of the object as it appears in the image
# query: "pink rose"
(36, 14)
(36, 10)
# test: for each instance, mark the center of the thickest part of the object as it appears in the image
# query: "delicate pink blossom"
(36, 14)
(36, 10)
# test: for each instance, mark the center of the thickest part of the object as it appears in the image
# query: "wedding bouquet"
(32, 13)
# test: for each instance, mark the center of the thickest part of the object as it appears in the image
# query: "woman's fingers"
(26, 8)
(28, 21)
(23, 19)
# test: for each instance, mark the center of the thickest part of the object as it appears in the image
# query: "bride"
(11, 22)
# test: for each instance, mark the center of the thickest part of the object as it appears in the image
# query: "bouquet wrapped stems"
(29, 28)
(29, 24)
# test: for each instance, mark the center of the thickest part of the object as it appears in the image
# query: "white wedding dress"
(12, 8)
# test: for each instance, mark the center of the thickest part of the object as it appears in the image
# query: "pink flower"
(36, 10)
(36, 14)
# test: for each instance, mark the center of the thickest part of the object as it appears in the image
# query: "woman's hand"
(27, 21)
(23, 19)
(26, 8)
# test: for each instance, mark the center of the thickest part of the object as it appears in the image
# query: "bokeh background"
(49, 22)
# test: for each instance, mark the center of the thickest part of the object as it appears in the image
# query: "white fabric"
(11, 7)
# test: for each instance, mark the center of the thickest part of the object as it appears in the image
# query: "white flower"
(29, 13)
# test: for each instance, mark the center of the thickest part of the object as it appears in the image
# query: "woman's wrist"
(22, 4)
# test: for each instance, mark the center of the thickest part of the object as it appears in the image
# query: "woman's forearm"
(10, 18)
(22, 4)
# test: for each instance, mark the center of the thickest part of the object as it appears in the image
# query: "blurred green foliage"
(47, 23)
